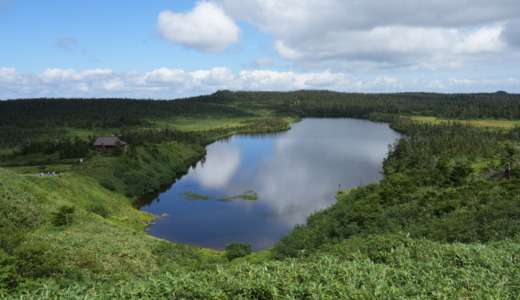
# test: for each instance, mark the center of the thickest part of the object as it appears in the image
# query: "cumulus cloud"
(278, 16)
(70, 76)
(214, 77)
(8, 74)
(166, 75)
(207, 27)
(166, 83)
(378, 35)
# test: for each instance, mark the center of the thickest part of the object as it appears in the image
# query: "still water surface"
(292, 174)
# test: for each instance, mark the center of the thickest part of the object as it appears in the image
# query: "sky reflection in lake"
(293, 174)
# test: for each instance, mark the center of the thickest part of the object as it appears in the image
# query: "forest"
(444, 221)
(30, 118)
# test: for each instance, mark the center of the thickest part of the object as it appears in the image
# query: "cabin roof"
(108, 141)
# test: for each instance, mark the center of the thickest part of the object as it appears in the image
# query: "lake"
(255, 188)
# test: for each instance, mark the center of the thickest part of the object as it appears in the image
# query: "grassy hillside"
(102, 238)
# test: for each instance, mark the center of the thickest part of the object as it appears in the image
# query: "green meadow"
(505, 124)
(195, 124)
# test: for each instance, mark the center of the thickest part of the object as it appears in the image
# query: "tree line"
(28, 118)
(321, 103)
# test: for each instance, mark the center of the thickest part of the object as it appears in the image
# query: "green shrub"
(99, 210)
(138, 183)
(37, 260)
(109, 182)
(63, 216)
(9, 277)
(236, 250)
(10, 238)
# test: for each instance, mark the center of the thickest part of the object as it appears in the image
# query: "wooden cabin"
(109, 143)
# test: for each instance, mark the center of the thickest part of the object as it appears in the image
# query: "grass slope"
(104, 240)
(392, 267)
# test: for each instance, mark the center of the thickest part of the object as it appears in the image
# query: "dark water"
(292, 174)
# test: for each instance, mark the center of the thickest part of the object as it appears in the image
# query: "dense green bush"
(236, 250)
(63, 216)
(9, 276)
(36, 260)
(137, 183)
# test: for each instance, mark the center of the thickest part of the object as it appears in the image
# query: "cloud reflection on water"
(219, 167)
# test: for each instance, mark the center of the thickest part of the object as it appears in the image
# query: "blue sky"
(171, 49)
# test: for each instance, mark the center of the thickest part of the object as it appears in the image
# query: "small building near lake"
(109, 143)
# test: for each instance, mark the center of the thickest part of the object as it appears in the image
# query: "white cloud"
(374, 35)
(391, 47)
(213, 77)
(280, 17)
(166, 83)
(70, 75)
(115, 84)
(287, 52)
(485, 39)
(8, 74)
(166, 75)
(207, 27)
